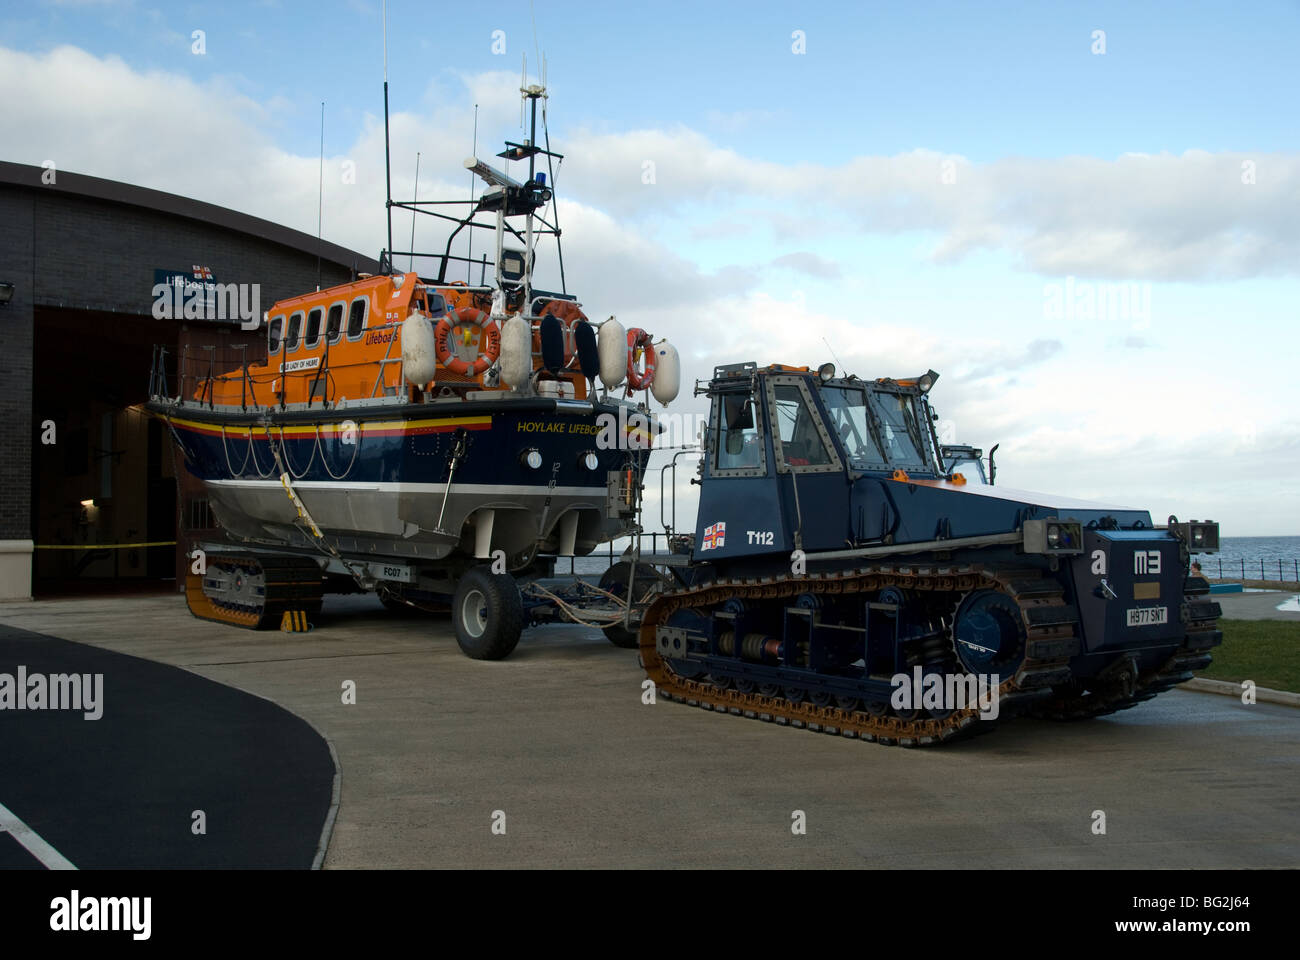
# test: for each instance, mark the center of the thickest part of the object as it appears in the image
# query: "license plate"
(1148, 616)
(397, 572)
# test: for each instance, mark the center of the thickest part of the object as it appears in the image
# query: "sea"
(1252, 558)
(590, 567)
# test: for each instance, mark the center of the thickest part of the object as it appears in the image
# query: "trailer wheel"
(488, 613)
(615, 580)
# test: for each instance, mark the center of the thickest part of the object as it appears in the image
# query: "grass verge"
(1266, 651)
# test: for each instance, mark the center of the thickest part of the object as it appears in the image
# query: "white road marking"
(32, 841)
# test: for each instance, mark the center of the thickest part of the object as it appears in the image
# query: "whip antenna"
(388, 165)
(532, 12)
(469, 257)
(320, 191)
(411, 263)
(832, 350)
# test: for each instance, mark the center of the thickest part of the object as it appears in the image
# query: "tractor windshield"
(901, 430)
(850, 420)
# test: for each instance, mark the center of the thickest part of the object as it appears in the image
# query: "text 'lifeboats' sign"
(195, 294)
(306, 363)
(196, 283)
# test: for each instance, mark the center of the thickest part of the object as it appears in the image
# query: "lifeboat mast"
(505, 198)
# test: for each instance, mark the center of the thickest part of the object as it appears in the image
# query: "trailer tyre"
(615, 580)
(488, 613)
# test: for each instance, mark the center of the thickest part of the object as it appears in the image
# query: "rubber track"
(1049, 626)
(291, 583)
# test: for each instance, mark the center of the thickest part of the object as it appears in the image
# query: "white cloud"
(1155, 217)
(801, 261)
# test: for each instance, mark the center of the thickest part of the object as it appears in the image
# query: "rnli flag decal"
(202, 273)
(715, 536)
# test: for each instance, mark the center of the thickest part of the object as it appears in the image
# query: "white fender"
(668, 374)
(516, 352)
(611, 344)
(419, 355)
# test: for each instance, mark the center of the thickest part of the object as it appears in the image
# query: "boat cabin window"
(334, 325)
(428, 302)
(292, 338)
(313, 328)
(357, 318)
(273, 334)
(800, 443)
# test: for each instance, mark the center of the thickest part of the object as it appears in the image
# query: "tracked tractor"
(845, 578)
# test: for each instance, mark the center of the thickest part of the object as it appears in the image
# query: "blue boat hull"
(420, 481)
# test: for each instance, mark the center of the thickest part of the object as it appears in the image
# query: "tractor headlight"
(1201, 536)
(1060, 537)
(1204, 536)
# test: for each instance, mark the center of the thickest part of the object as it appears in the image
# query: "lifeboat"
(411, 433)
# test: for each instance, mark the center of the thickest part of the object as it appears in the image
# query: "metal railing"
(669, 522)
(192, 375)
(193, 372)
(1242, 569)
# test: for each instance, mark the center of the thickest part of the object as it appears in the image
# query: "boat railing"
(199, 372)
(385, 361)
(669, 469)
(158, 372)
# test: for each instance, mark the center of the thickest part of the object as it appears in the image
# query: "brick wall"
(16, 436)
(67, 252)
(102, 255)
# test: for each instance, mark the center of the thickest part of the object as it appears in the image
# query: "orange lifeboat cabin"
(345, 343)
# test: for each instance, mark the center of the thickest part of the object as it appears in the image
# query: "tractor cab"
(787, 447)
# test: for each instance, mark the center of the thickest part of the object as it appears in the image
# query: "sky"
(1085, 217)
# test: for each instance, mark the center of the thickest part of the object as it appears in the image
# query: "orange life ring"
(489, 341)
(639, 345)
